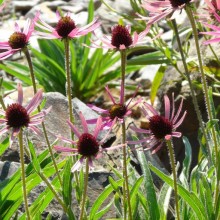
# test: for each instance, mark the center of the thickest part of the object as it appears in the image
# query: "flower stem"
(68, 79)
(85, 189)
(204, 82)
(69, 94)
(126, 192)
(28, 57)
(173, 167)
(20, 137)
(195, 103)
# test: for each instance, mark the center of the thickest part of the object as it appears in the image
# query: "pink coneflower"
(117, 112)
(88, 145)
(215, 32)
(161, 128)
(65, 28)
(19, 39)
(17, 117)
(120, 38)
(161, 9)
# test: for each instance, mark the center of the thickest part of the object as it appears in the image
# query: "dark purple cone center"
(64, 26)
(121, 36)
(118, 111)
(177, 3)
(160, 126)
(17, 40)
(87, 145)
(17, 116)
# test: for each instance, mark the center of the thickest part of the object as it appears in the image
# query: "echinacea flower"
(19, 39)
(65, 28)
(215, 32)
(117, 112)
(17, 117)
(87, 145)
(161, 128)
(161, 9)
(120, 38)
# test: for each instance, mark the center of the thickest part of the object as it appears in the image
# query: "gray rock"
(7, 169)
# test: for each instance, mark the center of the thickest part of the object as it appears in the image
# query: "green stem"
(49, 185)
(85, 189)
(195, 103)
(126, 192)
(173, 167)
(69, 94)
(20, 137)
(204, 82)
(68, 79)
(28, 57)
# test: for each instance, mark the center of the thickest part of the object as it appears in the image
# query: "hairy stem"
(173, 167)
(20, 137)
(195, 103)
(126, 192)
(28, 57)
(204, 82)
(85, 190)
(69, 94)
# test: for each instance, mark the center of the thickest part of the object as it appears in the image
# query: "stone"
(7, 169)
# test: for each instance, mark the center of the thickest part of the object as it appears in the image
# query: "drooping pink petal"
(58, 15)
(178, 112)
(150, 108)
(74, 129)
(36, 100)
(215, 40)
(65, 149)
(17, 28)
(66, 140)
(167, 107)
(98, 127)
(6, 54)
(140, 130)
(20, 93)
(109, 130)
(84, 124)
(90, 162)
(177, 134)
(34, 129)
(173, 108)
(77, 165)
(180, 121)
(158, 148)
(110, 95)
(97, 109)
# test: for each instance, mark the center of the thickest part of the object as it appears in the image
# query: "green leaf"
(4, 145)
(164, 200)
(17, 74)
(35, 161)
(190, 197)
(149, 59)
(156, 82)
(102, 197)
(149, 188)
